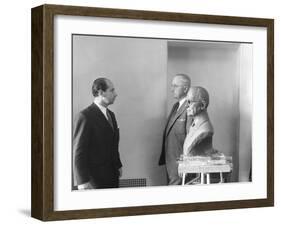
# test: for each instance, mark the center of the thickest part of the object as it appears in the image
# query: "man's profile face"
(179, 88)
(108, 96)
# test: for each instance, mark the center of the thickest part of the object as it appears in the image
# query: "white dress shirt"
(102, 108)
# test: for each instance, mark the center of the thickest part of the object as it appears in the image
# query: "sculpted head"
(198, 100)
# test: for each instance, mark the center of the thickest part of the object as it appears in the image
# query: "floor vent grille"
(136, 182)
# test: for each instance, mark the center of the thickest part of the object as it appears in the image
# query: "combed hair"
(99, 84)
(185, 78)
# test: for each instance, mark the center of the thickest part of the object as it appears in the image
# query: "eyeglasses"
(193, 101)
(175, 86)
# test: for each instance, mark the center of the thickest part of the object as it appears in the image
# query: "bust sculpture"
(198, 141)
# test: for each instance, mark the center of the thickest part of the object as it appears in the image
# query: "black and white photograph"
(121, 113)
(160, 112)
(149, 112)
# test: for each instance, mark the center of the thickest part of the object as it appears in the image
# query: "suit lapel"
(114, 123)
(101, 117)
(172, 120)
(181, 110)
(175, 106)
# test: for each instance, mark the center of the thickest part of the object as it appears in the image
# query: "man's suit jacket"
(177, 127)
(95, 148)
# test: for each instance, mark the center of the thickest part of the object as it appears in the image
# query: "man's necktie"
(175, 109)
(174, 112)
(192, 122)
(109, 119)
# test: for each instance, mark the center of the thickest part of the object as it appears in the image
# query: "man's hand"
(85, 186)
(120, 172)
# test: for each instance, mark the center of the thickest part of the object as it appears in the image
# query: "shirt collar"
(102, 108)
(181, 102)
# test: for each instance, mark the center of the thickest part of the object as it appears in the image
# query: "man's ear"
(203, 105)
(100, 92)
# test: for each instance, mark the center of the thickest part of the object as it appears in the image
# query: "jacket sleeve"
(81, 138)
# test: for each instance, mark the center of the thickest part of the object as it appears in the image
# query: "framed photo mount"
(45, 31)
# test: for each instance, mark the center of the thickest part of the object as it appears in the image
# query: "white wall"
(245, 107)
(137, 68)
(15, 112)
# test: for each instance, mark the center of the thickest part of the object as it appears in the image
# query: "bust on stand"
(198, 151)
(198, 141)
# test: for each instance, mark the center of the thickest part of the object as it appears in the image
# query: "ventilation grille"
(136, 182)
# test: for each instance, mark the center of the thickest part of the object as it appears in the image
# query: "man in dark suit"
(176, 129)
(96, 160)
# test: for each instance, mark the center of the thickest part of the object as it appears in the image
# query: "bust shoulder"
(207, 127)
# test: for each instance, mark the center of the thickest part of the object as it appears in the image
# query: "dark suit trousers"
(105, 176)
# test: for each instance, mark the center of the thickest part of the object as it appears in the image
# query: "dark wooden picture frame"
(42, 203)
